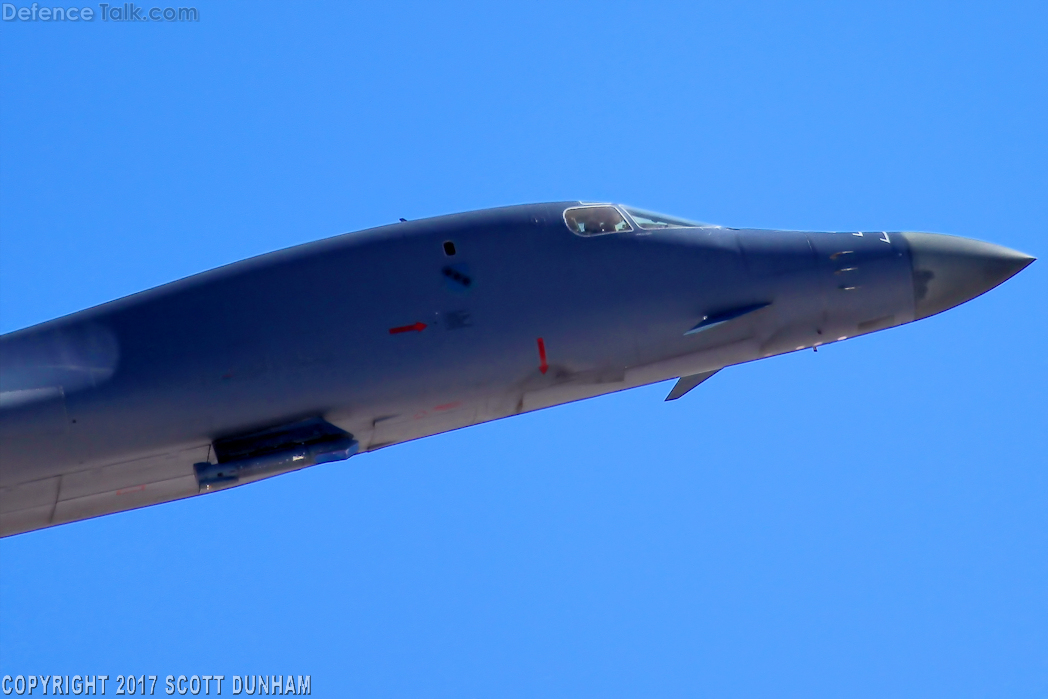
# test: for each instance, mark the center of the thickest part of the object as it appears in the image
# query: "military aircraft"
(357, 342)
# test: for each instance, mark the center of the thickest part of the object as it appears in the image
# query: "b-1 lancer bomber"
(365, 340)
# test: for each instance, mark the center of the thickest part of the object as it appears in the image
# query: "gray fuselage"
(387, 336)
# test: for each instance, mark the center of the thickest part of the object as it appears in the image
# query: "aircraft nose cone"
(947, 270)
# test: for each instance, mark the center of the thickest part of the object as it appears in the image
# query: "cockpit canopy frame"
(589, 220)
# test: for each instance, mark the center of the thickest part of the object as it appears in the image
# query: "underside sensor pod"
(256, 455)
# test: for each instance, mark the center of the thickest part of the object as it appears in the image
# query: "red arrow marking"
(543, 366)
(417, 327)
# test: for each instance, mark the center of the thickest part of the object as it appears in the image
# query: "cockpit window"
(650, 219)
(595, 220)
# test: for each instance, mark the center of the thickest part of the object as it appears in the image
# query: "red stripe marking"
(543, 366)
(416, 327)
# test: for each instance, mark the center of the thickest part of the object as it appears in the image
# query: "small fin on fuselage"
(686, 383)
(714, 319)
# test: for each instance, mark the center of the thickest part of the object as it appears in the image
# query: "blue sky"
(865, 521)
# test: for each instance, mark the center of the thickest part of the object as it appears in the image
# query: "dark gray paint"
(107, 409)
